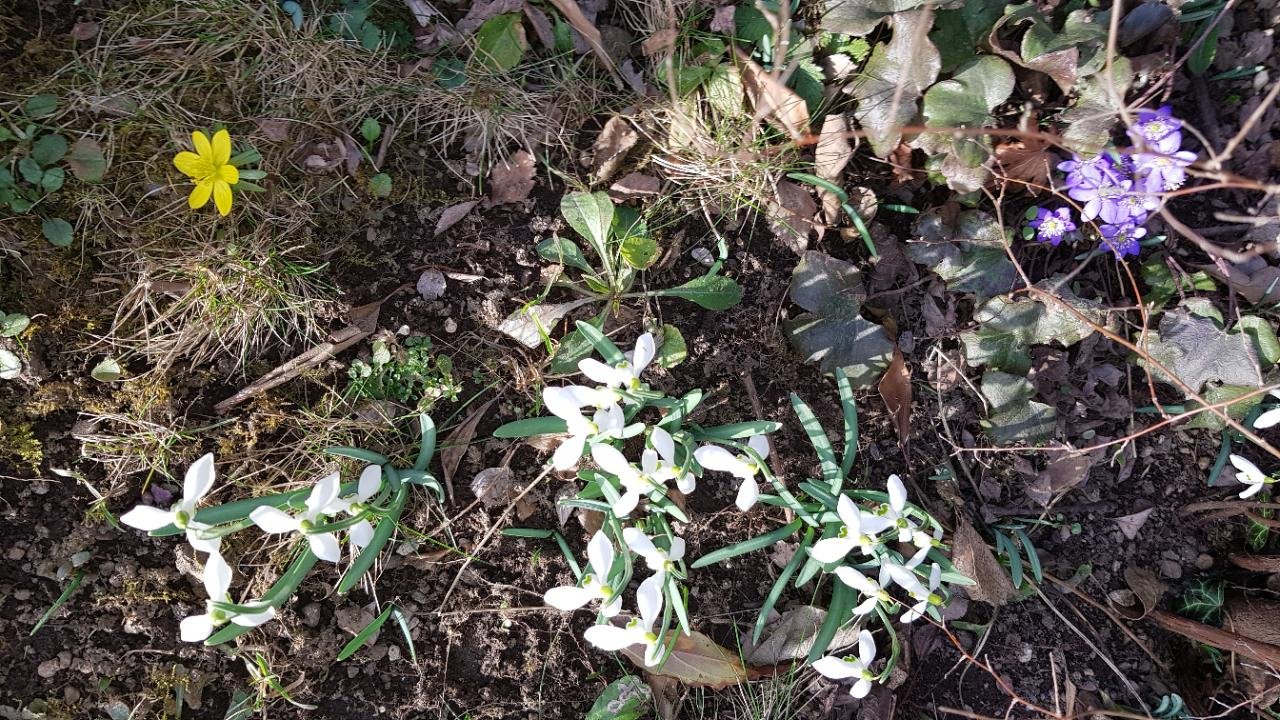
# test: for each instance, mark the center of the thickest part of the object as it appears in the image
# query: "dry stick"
(1157, 365)
(1256, 650)
(1111, 615)
(492, 529)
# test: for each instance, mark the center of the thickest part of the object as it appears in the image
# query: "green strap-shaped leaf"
(530, 427)
(365, 633)
(756, 543)
(427, 444)
(776, 591)
(381, 534)
(842, 599)
(849, 409)
(602, 344)
(368, 456)
(737, 431)
(1033, 557)
(821, 443)
(276, 596)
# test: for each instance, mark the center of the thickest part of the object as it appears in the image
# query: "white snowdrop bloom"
(741, 466)
(665, 446)
(625, 374)
(639, 631)
(196, 484)
(1251, 476)
(927, 598)
(895, 510)
(594, 584)
(860, 530)
(1269, 418)
(873, 591)
(369, 484)
(567, 403)
(217, 583)
(840, 668)
(315, 511)
(636, 481)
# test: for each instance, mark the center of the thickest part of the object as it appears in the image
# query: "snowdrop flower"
(370, 483)
(625, 374)
(860, 530)
(1249, 474)
(839, 668)
(927, 598)
(594, 585)
(743, 467)
(639, 631)
(924, 540)
(567, 403)
(217, 583)
(195, 485)
(874, 591)
(636, 481)
(903, 575)
(665, 446)
(895, 510)
(659, 561)
(315, 511)
(1269, 418)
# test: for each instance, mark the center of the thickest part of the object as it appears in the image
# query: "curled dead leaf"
(697, 661)
(773, 101)
(1059, 476)
(455, 446)
(895, 390)
(511, 180)
(493, 486)
(972, 558)
(611, 147)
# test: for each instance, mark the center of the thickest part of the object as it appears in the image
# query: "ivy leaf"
(965, 101)
(1015, 417)
(1196, 350)
(833, 332)
(909, 60)
(1075, 52)
(1007, 327)
(969, 256)
(1217, 395)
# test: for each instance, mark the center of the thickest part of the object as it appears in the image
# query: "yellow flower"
(211, 169)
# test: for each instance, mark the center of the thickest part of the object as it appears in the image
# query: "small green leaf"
(49, 149)
(57, 231)
(591, 216)
(106, 371)
(365, 633)
(40, 106)
(624, 699)
(673, 350)
(53, 179)
(30, 170)
(713, 292)
(370, 130)
(565, 252)
(380, 185)
(639, 251)
(1202, 58)
(1264, 339)
(500, 42)
(529, 427)
(13, 324)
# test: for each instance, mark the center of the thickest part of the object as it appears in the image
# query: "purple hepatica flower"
(1099, 198)
(1158, 172)
(1157, 131)
(1098, 170)
(1132, 206)
(1051, 225)
(1123, 239)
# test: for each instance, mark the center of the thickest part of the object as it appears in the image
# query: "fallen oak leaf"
(696, 661)
(1027, 160)
(772, 100)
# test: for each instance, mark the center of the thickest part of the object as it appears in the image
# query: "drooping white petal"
(360, 534)
(561, 402)
(872, 524)
(915, 612)
(626, 503)
(677, 549)
(610, 420)
(860, 688)
(145, 517)
(1251, 472)
(568, 597)
(600, 555)
(648, 461)
(325, 546)
(687, 483)
(602, 373)
(646, 350)
(201, 542)
(848, 513)
(935, 576)
(1250, 491)
(664, 444)
(918, 557)
(1268, 419)
(760, 444)
(254, 619)
(613, 607)
(273, 520)
(714, 457)
(866, 606)
(649, 599)
(216, 576)
(639, 543)
(856, 580)
(836, 668)
(196, 628)
(612, 461)
(866, 648)
(569, 453)
(897, 493)
(831, 549)
(610, 638)
(748, 494)
(370, 483)
(322, 495)
(198, 481)
(905, 579)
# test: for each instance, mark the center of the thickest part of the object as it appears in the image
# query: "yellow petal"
(222, 196)
(229, 174)
(221, 148)
(191, 165)
(202, 146)
(200, 194)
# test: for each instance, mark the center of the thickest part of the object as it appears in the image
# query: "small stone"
(1170, 569)
(703, 256)
(48, 669)
(311, 615)
(393, 653)
(1204, 561)
(16, 553)
(450, 325)
(71, 695)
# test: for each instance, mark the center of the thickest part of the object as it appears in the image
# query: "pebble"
(311, 615)
(48, 669)
(1170, 569)
(71, 695)
(702, 255)
(1204, 561)
(16, 553)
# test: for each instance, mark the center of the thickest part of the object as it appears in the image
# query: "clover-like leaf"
(1015, 417)
(898, 70)
(970, 256)
(1197, 351)
(860, 17)
(833, 333)
(87, 161)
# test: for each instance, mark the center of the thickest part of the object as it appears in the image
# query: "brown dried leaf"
(791, 216)
(900, 161)
(512, 180)
(84, 31)
(587, 29)
(1256, 563)
(829, 158)
(1130, 524)
(541, 25)
(973, 558)
(633, 186)
(611, 147)
(274, 130)
(696, 661)
(453, 214)
(660, 41)
(895, 390)
(494, 486)
(722, 21)
(481, 10)
(1028, 160)
(455, 446)
(1146, 587)
(774, 101)
(1257, 281)
(1255, 618)
(791, 636)
(1059, 476)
